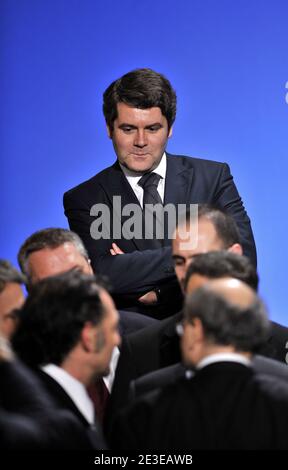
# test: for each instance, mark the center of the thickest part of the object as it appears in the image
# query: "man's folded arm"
(136, 272)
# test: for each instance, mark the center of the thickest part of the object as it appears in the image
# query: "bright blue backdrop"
(228, 62)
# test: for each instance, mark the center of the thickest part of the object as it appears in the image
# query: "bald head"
(232, 291)
(230, 312)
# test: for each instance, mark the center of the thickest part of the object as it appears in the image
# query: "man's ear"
(92, 338)
(194, 332)
(170, 132)
(86, 337)
(198, 333)
(236, 248)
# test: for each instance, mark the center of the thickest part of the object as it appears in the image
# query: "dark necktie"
(149, 183)
(99, 394)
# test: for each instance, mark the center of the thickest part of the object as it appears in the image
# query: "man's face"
(52, 261)
(139, 137)
(11, 298)
(108, 329)
(207, 241)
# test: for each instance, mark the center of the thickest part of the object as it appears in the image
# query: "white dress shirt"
(137, 189)
(109, 379)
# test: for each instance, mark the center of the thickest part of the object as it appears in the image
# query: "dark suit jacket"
(188, 180)
(160, 378)
(59, 396)
(29, 419)
(157, 346)
(130, 322)
(224, 406)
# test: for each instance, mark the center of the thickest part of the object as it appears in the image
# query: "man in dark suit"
(29, 419)
(69, 329)
(52, 251)
(167, 375)
(203, 267)
(225, 405)
(140, 110)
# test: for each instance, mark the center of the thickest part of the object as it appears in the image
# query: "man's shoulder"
(265, 365)
(194, 162)
(273, 385)
(152, 332)
(100, 179)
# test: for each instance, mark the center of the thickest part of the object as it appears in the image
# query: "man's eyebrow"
(178, 257)
(153, 124)
(126, 124)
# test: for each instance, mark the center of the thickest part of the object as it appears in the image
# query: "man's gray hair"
(225, 323)
(48, 238)
(9, 274)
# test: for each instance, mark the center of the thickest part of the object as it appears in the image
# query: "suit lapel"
(116, 184)
(177, 189)
(178, 181)
(177, 185)
(60, 397)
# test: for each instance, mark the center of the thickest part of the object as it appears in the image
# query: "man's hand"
(115, 250)
(149, 298)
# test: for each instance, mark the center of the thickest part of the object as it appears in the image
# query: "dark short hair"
(54, 315)
(48, 238)
(9, 274)
(227, 324)
(217, 264)
(140, 88)
(225, 226)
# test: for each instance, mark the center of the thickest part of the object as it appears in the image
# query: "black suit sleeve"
(228, 198)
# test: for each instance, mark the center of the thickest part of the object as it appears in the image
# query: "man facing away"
(29, 419)
(225, 405)
(140, 109)
(68, 331)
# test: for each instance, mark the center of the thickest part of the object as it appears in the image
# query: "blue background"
(228, 62)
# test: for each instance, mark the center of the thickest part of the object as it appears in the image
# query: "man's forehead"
(129, 112)
(203, 240)
(65, 251)
(52, 261)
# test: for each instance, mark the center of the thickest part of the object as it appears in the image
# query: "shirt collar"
(75, 389)
(223, 357)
